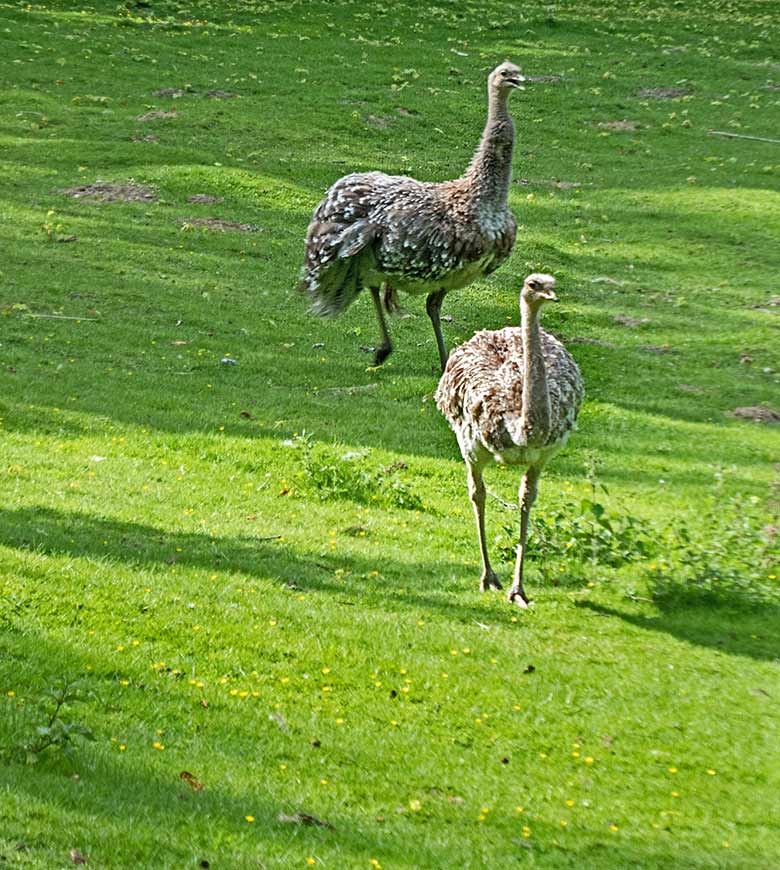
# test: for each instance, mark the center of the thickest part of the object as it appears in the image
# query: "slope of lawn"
(239, 617)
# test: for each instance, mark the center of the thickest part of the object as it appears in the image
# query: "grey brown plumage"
(512, 396)
(390, 231)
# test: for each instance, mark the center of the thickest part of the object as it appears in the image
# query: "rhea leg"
(527, 496)
(433, 307)
(477, 496)
(386, 347)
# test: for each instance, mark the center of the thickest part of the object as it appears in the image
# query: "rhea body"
(512, 396)
(392, 233)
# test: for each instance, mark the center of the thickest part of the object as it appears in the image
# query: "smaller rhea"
(512, 395)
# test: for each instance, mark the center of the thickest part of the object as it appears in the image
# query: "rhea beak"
(516, 81)
(550, 296)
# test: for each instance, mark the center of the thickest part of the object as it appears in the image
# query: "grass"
(164, 549)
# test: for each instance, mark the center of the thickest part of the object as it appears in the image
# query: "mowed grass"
(162, 546)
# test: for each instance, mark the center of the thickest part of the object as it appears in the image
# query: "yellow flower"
(415, 805)
(711, 772)
(311, 860)
(250, 819)
(613, 828)
(570, 803)
(158, 745)
(11, 693)
(588, 759)
(672, 769)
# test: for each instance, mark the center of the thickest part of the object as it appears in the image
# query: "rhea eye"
(503, 72)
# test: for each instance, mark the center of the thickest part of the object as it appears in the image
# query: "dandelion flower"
(249, 819)
(157, 745)
(415, 805)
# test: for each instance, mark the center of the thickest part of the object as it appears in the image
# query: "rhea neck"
(536, 412)
(490, 170)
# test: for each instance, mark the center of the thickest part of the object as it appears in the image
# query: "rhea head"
(538, 288)
(506, 77)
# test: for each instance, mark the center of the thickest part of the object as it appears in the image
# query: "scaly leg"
(386, 348)
(477, 496)
(526, 498)
(433, 307)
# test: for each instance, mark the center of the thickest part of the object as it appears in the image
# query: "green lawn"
(265, 574)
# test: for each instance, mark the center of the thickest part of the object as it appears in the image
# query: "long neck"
(490, 171)
(536, 413)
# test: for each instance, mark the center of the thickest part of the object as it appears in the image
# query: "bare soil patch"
(218, 225)
(630, 322)
(663, 93)
(169, 92)
(659, 349)
(757, 413)
(598, 342)
(149, 138)
(205, 198)
(157, 114)
(619, 126)
(221, 95)
(543, 79)
(106, 191)
(381, 121)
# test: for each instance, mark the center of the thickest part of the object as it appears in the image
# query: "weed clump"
(333, 472)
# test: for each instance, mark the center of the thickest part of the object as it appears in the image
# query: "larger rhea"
(393, 233)
(512, 396)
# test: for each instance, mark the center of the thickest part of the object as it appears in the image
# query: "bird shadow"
(736, 630)
(374, 582)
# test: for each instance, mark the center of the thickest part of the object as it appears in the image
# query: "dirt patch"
(221, 95)
(657, 348)
(631, 322)
(663, 93)
(218, 225)
(169, 92)
(543, 79)
(381, 121)
(619, 126)
(405, 113)
(205, 198)
(757, 413)
(157, 115)
(548, 182)
(690, 388)
(106, 191)
(148, 138)
(773, 87)
(581, 339)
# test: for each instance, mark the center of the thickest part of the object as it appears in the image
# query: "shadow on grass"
(739, 631)
(55, 533)
(121, 809)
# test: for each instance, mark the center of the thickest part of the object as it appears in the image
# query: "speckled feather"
(417, 237)
(480, 394)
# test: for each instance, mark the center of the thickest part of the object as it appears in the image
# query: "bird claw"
(488, 580)
(382, 353)
(516, 596)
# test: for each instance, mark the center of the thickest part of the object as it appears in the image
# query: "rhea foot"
(382, 353)
(488, 580)
(518, 597)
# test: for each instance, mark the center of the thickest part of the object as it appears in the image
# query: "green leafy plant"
(56, 733)
(735, 561)
(336, 473)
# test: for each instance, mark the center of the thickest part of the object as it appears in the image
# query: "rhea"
(391, 233)
(512, 396)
